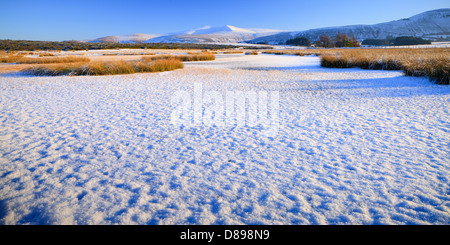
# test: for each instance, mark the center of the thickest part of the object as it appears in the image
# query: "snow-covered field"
(353, 147)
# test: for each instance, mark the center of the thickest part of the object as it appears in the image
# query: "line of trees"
(341, 40)
(299, 41)
(325, 41)
(399, 41)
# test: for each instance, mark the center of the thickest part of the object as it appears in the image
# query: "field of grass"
(430, 62)
(48, 59)
(203, 56)
(302, 52)
(228, 51)
(50, 65)
(106, 68)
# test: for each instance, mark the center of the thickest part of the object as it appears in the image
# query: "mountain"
(429, 25)
(208, 34)
(134, 38)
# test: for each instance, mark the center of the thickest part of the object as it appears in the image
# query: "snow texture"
(354, 147)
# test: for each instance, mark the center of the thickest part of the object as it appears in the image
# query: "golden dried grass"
(20, 59)
(203, 56)
(106, 68)
(431, 62)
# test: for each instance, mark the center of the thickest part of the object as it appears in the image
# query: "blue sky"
(81, 19)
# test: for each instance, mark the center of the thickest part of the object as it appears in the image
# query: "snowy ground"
(354, 147)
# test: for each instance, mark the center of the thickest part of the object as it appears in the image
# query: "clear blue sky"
(81, 19)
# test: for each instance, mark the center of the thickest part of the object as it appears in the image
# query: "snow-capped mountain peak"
(226, 33)
(434, 24)
(218, 34)
(133, 38)
(206, 30)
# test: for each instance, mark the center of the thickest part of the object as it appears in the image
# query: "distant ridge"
(134, 38)
(206, 34)
(221, 34)
(431, 25)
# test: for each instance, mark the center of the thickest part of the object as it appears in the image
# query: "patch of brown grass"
(10, 58)
(203, 56)
(437, 69)
(105, 68)
(231, 52)
(46, 54)
(20, 59)
(302, 52)
(49, 60)
(431, 62)
(252, 53)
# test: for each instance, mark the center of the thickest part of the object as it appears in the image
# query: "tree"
(353, 42)
(325, 41)
(339, 40)
(343, 40)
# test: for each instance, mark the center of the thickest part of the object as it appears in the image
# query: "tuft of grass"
(344, 61)
(42, 60)
(203, 56)
(10, 58)
(105, 68)
(437, 69)
(432, 62)
(232, 52)
(46, 54)
(252, 53)
(301, 52)
(50, 60)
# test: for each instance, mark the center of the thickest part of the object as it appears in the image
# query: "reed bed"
(106, 68)
(430, 62)
(203, 56)
(229, 52)
(118, 54)
(302, 52)
(437, 69)
(252, 53)
(20, 59)
(10, 58)
(46, 55)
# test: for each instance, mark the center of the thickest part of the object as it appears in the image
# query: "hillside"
(430, 25)
(222, 34)
(134, 38)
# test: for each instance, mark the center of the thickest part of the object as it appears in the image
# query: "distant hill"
(207, 34)
(134, 38)
(431, 25)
